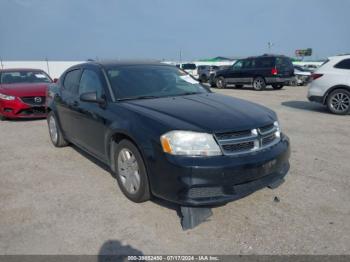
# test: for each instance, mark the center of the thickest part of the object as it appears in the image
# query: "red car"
(23, 93)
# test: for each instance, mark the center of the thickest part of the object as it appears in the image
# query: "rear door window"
(345, 64)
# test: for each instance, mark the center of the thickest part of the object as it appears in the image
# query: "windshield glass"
(148, 81)
(15, 77)
(189, 66)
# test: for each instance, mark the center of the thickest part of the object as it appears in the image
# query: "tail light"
(316, 76)
(274, 71)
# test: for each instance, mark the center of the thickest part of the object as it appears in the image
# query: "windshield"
(148, 81)
(189, 66)
(16, 77)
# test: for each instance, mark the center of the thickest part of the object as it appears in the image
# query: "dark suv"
(165, 135)
(257, 71)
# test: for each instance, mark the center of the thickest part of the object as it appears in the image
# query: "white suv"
(330, 85)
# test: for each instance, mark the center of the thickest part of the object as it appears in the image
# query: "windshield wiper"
(137, 98)
(190, 93)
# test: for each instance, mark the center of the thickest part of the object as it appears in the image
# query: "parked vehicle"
(190, 68)
(165, 135)
(310, 67)
(23, 93)
(258, 71)
(204, 72)
(302, 76)
(330, 85)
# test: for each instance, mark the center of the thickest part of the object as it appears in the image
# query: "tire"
(2, 118)
(220, 82)
(131, 172)
(259, 84)
(277, 86)
(55, 131)
(338, 102)
(203, 78)
(212, 83)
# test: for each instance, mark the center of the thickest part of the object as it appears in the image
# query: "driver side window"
(238, 65)
(90, 82)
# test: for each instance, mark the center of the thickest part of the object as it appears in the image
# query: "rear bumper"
(279, 80)
(17, 109)
(218, 180)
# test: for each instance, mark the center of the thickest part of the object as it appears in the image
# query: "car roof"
(267, 56)
(109, 63)
(339, 57)
(20, 69)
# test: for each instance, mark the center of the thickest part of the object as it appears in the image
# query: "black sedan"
(165, 135)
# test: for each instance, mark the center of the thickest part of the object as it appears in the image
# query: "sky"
(161, 29)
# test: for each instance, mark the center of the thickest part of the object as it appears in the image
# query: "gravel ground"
(58, 201)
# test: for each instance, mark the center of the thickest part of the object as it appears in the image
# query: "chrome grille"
(246, 141)
(239, 147)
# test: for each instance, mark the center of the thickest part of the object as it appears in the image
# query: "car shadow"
(304, 105)
(114, 250)
(92, 159)
(23, 119)
(249, 88)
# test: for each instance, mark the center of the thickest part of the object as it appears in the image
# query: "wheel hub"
(53, 129)
(128, 171)
(340, 102)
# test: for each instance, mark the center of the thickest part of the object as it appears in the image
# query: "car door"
(247, 71)
(343, 72)
(234, 74)
(66, 101)
(91, 119)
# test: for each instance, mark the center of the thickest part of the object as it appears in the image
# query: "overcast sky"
(159, 29)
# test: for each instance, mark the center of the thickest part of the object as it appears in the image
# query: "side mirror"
(91, 97)
(55, 80)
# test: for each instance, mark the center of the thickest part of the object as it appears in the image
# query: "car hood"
(20, 90)
(209, 112)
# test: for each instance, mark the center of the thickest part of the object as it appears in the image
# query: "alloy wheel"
(259, 84)
(53, 129)
(340, 102)
(128, 171)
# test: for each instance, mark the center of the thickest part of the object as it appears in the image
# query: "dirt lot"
(57, 201)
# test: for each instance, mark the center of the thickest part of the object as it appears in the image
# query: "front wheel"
(259, 84)
(277, 86)
(131, 172)
(220, 82)
(2, 118)
(55, 132)
(338, 102)
(203, 79)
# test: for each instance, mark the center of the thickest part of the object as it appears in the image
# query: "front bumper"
(18, 109)
(317, 99)
(218, 180)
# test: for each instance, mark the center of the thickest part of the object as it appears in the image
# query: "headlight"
(189, 143)
(278, 129)
(6, 97)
